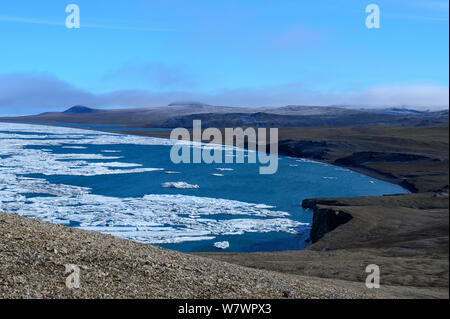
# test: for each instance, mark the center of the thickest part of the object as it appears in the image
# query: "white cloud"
(26, 92)
(32, 93)
(416, 95)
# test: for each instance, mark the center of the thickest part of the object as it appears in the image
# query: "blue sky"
(247, 52)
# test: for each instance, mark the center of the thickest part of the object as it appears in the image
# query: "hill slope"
(33, 256)
(176, 115)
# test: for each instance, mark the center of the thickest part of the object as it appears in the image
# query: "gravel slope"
(33, 255)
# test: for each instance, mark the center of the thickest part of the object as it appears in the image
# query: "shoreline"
(306, 203)
(407, 235)
(365, 171)
(156, 133)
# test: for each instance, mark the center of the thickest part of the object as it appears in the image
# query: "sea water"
(127, 186)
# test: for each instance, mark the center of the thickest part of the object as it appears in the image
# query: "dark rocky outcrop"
(305, 149)
(325, 219)
(363, 157)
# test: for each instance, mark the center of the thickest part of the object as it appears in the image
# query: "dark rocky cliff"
(325, 220)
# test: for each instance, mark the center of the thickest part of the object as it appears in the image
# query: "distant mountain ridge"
(398, 110)
(80, 109)
(181, 114)
(188, 104)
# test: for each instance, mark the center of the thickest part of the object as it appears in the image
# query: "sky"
(142, 53)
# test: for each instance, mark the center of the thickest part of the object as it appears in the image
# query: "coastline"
(165, 134)
(288, 147)
(407, 235)
(382, 230)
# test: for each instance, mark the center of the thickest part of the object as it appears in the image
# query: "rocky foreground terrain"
(33, 255)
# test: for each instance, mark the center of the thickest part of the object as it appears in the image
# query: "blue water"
(285, 190)
(116, 203)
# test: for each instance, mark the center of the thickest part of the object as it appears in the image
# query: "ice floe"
(75, 147)
(182, 185)
(222, 244)
(153, 218)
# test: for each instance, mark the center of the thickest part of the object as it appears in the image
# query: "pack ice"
(149, 219)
